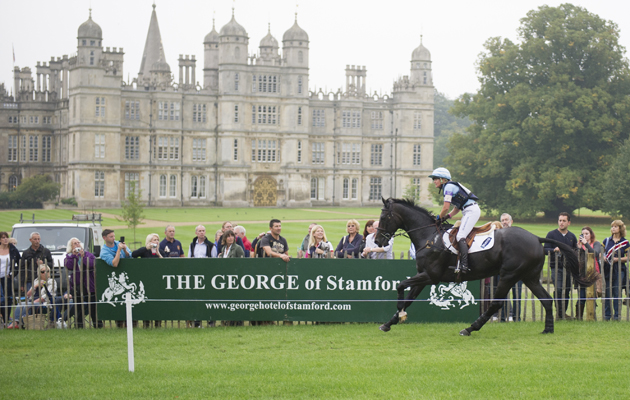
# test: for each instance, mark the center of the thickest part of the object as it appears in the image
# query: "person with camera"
(588, 244)
(615, 257)
(373, 251)
(80, 264)
(151, 248)
(113, 250)
(318, 244)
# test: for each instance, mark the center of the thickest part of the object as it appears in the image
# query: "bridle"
(388, 236)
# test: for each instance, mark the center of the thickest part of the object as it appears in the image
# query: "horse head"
(401, 214)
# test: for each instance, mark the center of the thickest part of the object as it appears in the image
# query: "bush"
(31, 193)
(70, 202)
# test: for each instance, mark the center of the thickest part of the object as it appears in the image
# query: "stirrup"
(461, 269)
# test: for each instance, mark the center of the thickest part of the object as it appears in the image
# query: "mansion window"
(23, 148)
(264, 151)
(417, 121)
(350, 154)
(199, 113)
(317, 188)
(355, 184)
(132, 182)
(417, 150)
(99, 111)
(13, 149)
(13, 183)
(236, 81)
(351, 119)
(299, 151)
(236, 113)
(132, 109)
(377, 120)
(33, 149)
(172, 186)
(199, 150)
(99, 145)
(319, 120)
(265, 115)
(34, 119)
(166, 148)
(99, 184)
(235, 149)
(416, 188)
(299, 116)
(162, 185)
(197, 187)
(46, 120)
(46, 148)
(376, 188)
(299, 85)
(346, 187)
(376, 155)
(132, 147)
(265, 84)
(168, 111)
(318, 153)
(13, 120)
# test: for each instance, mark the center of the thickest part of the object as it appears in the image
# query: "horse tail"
(572, 263)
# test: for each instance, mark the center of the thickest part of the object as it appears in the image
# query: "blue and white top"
(458, 195)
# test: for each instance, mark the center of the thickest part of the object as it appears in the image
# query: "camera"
(122, 239)
(581, 237)
(77, 250)
(154, 245)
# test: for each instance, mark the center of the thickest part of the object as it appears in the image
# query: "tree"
(444, 125)
(549, 116)
(616, 185)
(31, 193)
(412, 192)
(132, 209)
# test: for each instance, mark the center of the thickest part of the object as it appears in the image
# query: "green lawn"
(413, 361)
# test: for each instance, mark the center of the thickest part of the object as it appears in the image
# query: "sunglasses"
(43, 272)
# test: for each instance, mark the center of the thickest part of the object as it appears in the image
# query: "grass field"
(414, 361)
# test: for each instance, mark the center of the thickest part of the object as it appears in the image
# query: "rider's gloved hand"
(445, 217)
(438, 220)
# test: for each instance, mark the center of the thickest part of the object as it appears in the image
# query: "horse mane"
(411, 204)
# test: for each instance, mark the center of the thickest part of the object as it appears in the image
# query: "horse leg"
(545, 298)
(503, 287)
(417, 283)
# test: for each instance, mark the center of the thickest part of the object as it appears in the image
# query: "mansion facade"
(252, 134)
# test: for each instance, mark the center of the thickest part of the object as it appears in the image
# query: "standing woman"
(318, 244)
(9, 262)
(615, 248)
(229, 250)
(151, 248)
(351, 243)
(587, 243)
(369, 228)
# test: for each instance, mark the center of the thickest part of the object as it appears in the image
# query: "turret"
(233, 41)
(89, 48)
(211, 59)
(421, 66)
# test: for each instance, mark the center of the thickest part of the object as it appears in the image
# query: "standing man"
(373, 251)
(561, 279)
(275, 245)
(227, 226)
(461, 199)
(113, 250)
(201, 247)
(247, 245)
(171, 246)
(303, 249)
(32, 258)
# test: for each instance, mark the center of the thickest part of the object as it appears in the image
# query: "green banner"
(268, 289)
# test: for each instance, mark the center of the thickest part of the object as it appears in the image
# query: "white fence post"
(129, 332)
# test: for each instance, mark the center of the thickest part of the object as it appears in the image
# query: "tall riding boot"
(579, 311)
(463, 256)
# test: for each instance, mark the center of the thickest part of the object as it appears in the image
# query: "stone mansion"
(251, 134)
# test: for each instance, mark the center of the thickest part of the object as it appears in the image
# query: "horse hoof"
(547, 331)
(385, 328)
(464, 332)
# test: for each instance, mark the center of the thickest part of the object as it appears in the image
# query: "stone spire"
(153, 50)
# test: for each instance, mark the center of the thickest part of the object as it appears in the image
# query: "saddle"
(485, 228)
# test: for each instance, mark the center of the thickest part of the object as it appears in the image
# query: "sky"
(379, 35)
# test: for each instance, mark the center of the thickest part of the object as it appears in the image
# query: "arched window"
(193, 186)
(300, 57)
(13, 183)
(202, 187)
(237, 53)
(173, 186)
(162, 185)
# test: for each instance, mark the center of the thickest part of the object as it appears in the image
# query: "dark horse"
(516, 255)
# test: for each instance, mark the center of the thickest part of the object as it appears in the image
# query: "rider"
(461, 199)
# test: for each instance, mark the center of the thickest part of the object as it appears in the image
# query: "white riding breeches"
(470, 216)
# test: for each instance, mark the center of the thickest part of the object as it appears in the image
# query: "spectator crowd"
(27, 287)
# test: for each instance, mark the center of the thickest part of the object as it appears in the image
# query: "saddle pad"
(481, 242)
